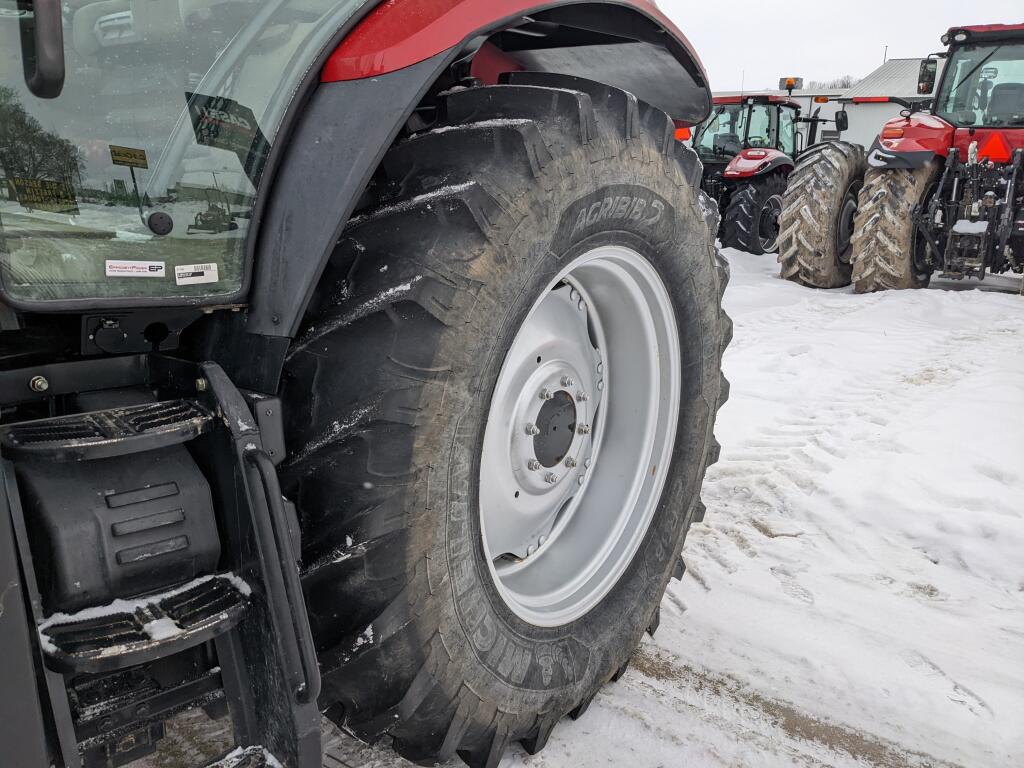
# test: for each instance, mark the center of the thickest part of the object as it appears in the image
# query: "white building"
(896, 78)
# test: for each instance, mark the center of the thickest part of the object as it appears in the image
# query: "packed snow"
(855, 596)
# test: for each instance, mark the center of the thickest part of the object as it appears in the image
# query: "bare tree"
(28, 151)
(838, 83)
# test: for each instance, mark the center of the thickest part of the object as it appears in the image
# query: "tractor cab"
(737, 123)
(983, 86)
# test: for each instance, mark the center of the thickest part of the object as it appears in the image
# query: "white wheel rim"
(563, 512)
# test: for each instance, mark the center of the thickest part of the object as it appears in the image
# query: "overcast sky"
(819, 39)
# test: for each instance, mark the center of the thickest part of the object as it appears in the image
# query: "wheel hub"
(557, 424)
(768, 223)
(845, 225)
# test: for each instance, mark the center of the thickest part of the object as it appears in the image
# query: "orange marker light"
(821, 99)
(892, 133)
(683, 134)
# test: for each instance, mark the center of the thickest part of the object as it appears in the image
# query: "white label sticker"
(116, 268)
(191, 274)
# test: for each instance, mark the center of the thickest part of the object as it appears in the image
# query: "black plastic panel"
(118, 527)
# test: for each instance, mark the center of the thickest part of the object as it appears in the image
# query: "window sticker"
(193, 274)
(120, 268)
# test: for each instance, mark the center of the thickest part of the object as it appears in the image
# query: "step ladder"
(241, 635)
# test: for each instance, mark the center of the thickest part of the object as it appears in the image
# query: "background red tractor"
(749, 146)
(944, 187)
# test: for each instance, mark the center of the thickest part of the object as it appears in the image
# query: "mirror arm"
(43, 36)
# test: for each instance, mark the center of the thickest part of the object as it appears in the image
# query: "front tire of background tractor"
(888, 252)
(751, 221)
(817, 222)
(536, 274)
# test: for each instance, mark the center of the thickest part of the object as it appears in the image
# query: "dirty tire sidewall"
(401, 351)
(885, 240)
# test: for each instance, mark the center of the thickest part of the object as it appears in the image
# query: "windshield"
(983, 85)
(139, 180)
(730, 128)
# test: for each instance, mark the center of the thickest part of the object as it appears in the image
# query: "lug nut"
(600, 367)
(531, 549)
(600, 385)
(531, 430)
(579, 480)
(582, 396)
(587, 463)
(581, 306)
(570, 462)
(546, 394)
(541, 540)
(584, 429)
(568, 382)
(574, 295)
(201, 385)
(39, 384)
(551, 478)
(533, 465)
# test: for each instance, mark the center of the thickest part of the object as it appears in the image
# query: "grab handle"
(43, 35)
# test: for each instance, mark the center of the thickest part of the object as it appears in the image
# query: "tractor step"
(113, 521)
(103, 434)
(129, 632)
(249, 757)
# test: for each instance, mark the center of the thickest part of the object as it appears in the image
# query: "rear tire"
(887, 250)
(388, 388)
(751, 221)
(817, 221)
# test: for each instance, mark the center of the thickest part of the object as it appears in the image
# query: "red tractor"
(749, 146)
(944, 187)
(416, 445)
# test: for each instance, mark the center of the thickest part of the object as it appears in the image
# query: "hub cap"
(579, 436)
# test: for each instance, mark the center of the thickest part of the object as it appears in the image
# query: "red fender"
(399, 33)
(756, 162)
(920, 132)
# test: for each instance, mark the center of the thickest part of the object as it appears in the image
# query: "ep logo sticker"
(117, 268)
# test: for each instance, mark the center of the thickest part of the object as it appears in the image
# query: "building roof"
(897, 77)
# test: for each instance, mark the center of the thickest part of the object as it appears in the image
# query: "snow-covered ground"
(855, 596)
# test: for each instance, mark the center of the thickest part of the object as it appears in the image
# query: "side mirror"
(926, 76)
(842, 121)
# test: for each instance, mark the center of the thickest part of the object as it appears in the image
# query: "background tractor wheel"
(888, 253)
(751, 221)
(818, 215)
(528, 317)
